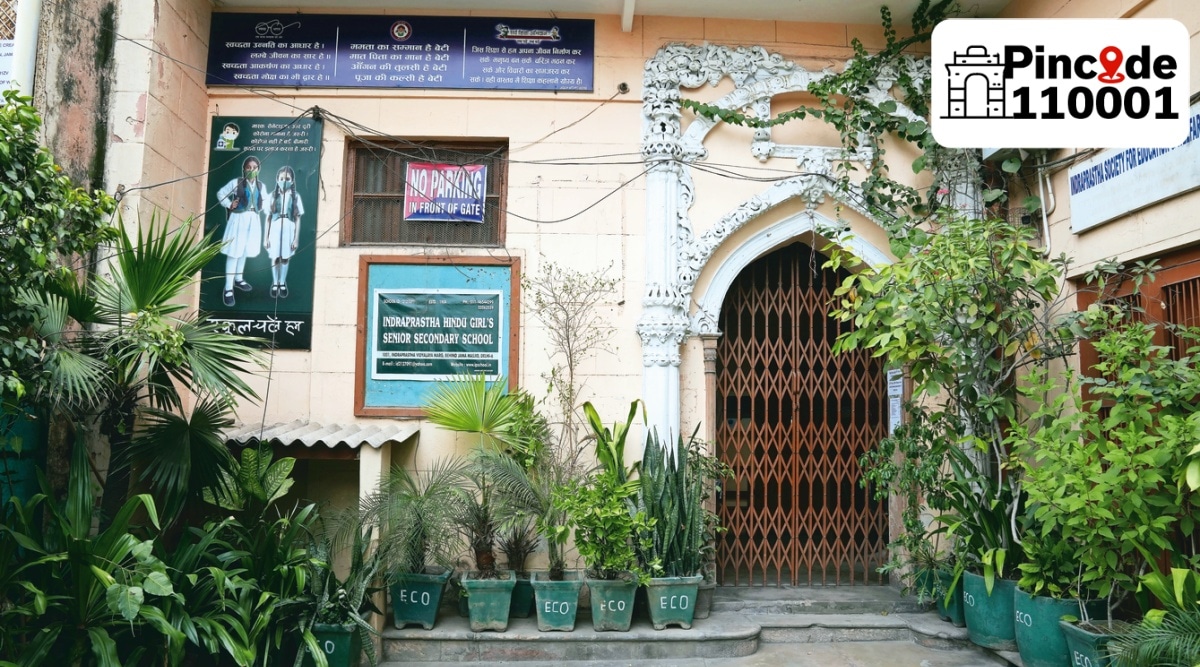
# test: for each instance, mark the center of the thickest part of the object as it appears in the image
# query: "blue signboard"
(356, 51)
(423, 322)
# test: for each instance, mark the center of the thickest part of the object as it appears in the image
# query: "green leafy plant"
(47, 224)
(75, 596)
(607, 534)
(343, 601)
(675, 486)
(1100, 470)
(609, 529)
(966, 313)
(416, 514)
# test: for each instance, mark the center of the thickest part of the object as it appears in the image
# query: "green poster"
(436, 334)
(262, 206)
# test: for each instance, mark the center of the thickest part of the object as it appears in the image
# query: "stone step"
(815, 600)
(843, 654)
(722, 635)
(452, 640)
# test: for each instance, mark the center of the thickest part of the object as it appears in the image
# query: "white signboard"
(895, 392)
(7, 47)
(1120, 181)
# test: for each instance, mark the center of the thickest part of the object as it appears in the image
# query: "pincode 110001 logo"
(1052, 83)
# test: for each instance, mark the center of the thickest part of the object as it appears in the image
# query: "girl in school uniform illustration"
(283, 228)
(245, 200)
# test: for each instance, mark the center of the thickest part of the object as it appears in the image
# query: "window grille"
(8, 19)
(375, 179)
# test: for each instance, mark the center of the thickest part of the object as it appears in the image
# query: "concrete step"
(815, 600)
(843, 654)
(452, 640)
(722, 635)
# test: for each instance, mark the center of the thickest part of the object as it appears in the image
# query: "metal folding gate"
(792, 421)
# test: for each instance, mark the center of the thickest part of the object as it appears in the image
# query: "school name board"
(434, 335)
(357, 51)
(1118, 182)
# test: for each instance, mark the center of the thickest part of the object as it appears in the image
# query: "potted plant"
(489, 591)
(509, 432)
(969, 305)
(416, 513)
(524, 477)
(1100, 460)
(979, 516)
(672, 494)
(1168, 635)
(1049, 590)
(517, 543)
(338, 627)
(608, 527)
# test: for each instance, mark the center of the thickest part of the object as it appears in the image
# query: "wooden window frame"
(1174, 267)
(353, 146)
(360, 353)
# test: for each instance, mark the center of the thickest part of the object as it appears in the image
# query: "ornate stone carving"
(668, 151)
(704, 323)
(669, 296)
(661, 335)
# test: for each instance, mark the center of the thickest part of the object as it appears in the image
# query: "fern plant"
(1171, 641)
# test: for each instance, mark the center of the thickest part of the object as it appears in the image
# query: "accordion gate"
(792, 421)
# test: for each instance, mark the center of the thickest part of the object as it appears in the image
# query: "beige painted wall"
(319, 385)
(1154, 230)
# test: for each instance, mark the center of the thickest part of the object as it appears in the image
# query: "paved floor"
(840, 654)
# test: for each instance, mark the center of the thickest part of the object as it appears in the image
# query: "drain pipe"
(29, 18)
(1043, 186)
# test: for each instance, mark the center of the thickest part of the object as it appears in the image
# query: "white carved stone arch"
(674, 254)
(775, 235)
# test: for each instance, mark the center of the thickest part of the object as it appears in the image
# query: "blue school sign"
(355, 51)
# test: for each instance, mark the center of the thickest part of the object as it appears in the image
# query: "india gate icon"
(976, 85)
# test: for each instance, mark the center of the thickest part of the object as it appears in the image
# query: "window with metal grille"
(8, 19)
(375, 180)
(1173, 297)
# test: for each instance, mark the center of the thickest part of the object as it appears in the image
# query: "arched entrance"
(792, 421)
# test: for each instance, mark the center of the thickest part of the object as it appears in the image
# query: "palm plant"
(524, 479)
(415, 513)
(471, 405)
(119, 346)
(518, 543)
(1172, 641)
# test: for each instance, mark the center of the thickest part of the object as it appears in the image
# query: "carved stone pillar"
(663, 323)
(710, 385)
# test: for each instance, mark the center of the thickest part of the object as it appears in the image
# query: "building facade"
(574, 149)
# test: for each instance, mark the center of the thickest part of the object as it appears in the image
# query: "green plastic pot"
(704, 598)
(557, 602)
(612, 603)
(953, 610)
(489, 600)
(672, 600)
(341, 643)
(522, 599)
(1039, 637)
(416, 596)
(1086, 648)
(989, 617)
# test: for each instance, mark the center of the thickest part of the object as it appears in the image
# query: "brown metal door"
(792, 421)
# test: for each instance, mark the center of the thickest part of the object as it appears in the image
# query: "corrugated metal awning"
(309, 434)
